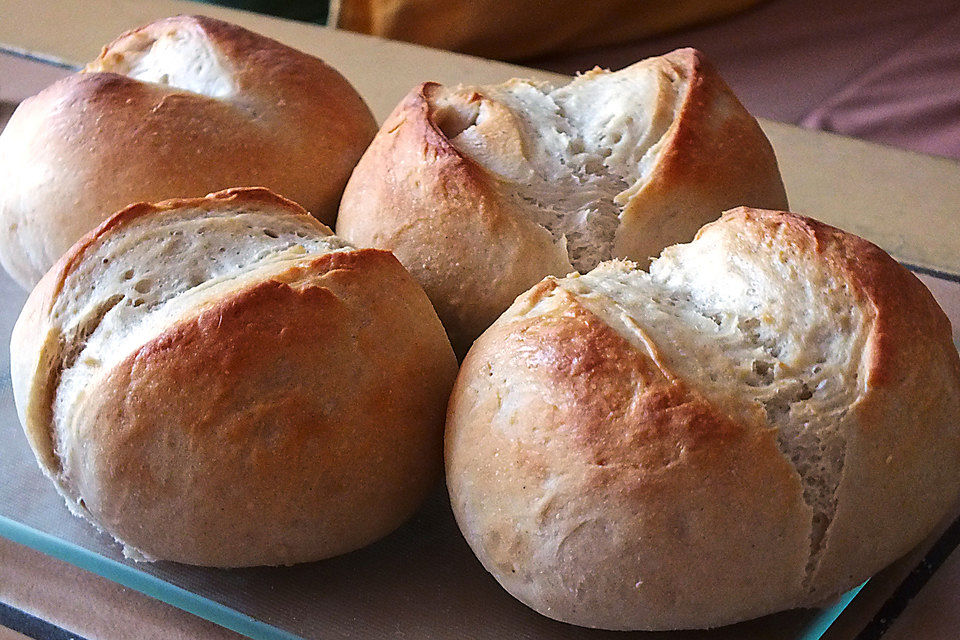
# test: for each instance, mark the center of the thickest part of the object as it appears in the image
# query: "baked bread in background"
(762, 421)
(181, 107)
(523, 28)
(482, 191)
(221, 382)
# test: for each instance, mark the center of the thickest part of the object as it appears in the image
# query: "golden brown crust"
(34, 360)
(414, 194)
(242, 420)
(293, 125)
(236, 196)
(714, 157)
(553, 407)
(300, 410)
(900, 469)
(629, 488)
(474, 250)
(32, 375)
(900, 304)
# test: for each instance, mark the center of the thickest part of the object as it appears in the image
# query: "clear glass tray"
(422, 581)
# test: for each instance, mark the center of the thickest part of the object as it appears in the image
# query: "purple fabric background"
(883, 71)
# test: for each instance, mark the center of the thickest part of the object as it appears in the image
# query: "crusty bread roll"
(221, 382)
(180, 107)
(482, 191)
(765, 419)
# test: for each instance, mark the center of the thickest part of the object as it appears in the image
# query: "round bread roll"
(221, 382)
(180, 107)
(483, 191)
(762, 421)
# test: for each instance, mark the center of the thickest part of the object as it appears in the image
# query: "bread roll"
(221, 382)
(482, 191)
(762, 421)
(180, 107)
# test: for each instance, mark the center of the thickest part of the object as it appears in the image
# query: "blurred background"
(880, 70)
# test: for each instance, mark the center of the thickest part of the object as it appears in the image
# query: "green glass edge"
(143, 582)
(230, 618)
(822, 621)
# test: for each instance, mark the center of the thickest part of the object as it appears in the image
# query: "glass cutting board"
(421, 581)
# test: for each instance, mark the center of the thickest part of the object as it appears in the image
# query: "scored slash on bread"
(763, 420)
(179, 108)
(482, 191)
(208, 381)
